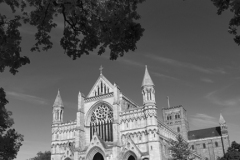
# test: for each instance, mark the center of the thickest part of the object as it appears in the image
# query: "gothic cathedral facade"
(110, 126)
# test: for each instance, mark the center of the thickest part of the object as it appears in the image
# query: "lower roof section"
(204, 133)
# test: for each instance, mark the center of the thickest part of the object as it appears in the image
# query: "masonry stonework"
(110, 126)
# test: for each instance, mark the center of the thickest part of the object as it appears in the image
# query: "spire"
(221, 119)
(147, 81)
(168, 101)
(58, 101)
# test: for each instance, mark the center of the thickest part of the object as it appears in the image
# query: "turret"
(224, 134)
(223, 125)
(116, 94)
(80, 101)
(150, 111)
(148, 89)
(80, 132)
(58, 109)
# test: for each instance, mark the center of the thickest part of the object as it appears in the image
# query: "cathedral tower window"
(216, 144)
(192, 147)
(178, 129)
(177, 116)
(204, 145)
(102, 122)
(150, 94)
(61, 115)
(169, 117)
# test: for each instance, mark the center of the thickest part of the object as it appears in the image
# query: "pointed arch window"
(204, 145)
(102, 122)
(178, 129)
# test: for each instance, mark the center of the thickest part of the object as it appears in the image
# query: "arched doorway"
(131, 158)
(98, 156)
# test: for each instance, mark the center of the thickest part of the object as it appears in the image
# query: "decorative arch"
(92, 108)
(100, 120)
(129, 154)
(92, 152)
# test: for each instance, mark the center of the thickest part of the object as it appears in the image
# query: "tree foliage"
(180, 149)
(88, 25)
(43, 156)
(233, 152)
(234, 23)
(10, 140)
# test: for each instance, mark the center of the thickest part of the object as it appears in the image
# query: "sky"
(189, 53)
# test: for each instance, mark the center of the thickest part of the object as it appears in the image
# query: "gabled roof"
(204, 133)
(58, 101)
(104, 80)
(147, 81)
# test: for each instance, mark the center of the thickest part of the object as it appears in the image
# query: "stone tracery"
(101, 122)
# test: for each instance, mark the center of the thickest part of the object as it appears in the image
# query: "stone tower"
(150, 110)
(223, 125)
(58, 109)
(224, 134)
(176, 118)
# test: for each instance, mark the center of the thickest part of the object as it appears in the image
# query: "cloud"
(230, 102)
(207, 80)
(201, 120)
(185, 65)
(131, 62)
(164, 76)
(28, 98)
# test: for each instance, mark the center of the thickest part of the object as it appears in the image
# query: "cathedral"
(110, 126)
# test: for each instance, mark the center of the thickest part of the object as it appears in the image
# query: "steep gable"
(101, 86)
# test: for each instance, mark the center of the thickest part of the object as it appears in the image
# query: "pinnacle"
(58, 101)
(221, 119)
(147, 81)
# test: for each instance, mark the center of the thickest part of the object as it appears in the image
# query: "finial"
(168, 101)
(101, 68)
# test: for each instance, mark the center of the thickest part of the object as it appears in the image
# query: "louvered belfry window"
(102, 122)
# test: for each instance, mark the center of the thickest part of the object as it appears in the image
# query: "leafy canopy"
(234, 23)
(179, 149)
(43, 156)
(9, 138)
(88, 25)
(233, 152)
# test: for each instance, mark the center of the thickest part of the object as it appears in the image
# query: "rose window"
(102, 122)
(101, 113)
